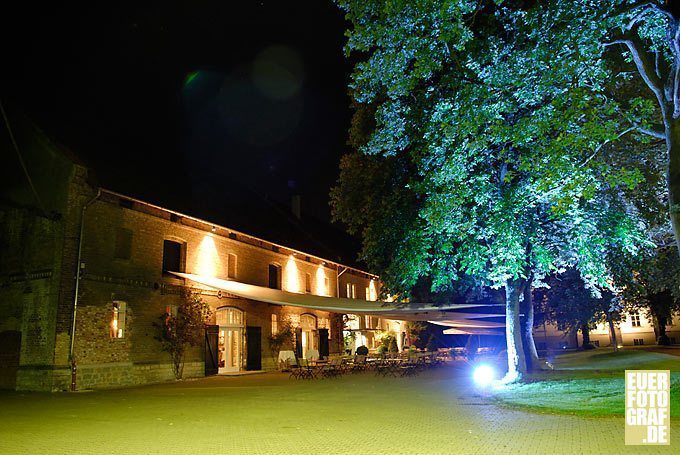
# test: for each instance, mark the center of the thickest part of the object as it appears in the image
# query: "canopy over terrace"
(443, 315)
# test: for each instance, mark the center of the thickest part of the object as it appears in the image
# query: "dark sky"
(195, 105)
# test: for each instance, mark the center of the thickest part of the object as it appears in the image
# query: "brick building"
(127, 249)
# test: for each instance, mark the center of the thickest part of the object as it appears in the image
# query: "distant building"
(635, 329)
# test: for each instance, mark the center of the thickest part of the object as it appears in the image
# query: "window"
(229, 317)
(635, 319)
(327, 285)
(118, 320)
(351, 291)
(638, 341)
(172, 256)
(275, 324)
(369, 322)
(231, 266)
(123, 244)
(274, 276)
(368, 293)
(308, 283)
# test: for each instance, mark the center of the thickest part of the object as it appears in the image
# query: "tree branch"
(649, 132)
(599, 147)
(645, 67)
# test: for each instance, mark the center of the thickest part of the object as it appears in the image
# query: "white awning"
(472, 332)
(402, 311)
(470, 324)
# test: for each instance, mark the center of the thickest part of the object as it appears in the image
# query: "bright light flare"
(484, 375)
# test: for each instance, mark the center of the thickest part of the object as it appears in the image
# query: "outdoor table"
(286, 357)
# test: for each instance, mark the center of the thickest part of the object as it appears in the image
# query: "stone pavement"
(437, 412)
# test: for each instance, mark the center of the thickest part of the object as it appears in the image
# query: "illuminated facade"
(635, 329)
(124, 287)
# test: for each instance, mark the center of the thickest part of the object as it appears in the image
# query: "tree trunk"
(585, 331)
(662, 339)
(527, 308)
(673, 177)
(612, 333)
(516, 360)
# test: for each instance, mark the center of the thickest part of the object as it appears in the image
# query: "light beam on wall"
(292, 275)
(372, 293)
(321, 281)
(208, 262)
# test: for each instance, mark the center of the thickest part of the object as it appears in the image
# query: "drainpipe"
(75, 296)
(337, 294)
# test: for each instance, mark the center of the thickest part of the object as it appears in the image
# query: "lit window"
(231, 266)
(118, 320)
(368, 293)
(351, 291)
(635, 319)
(327, 285)
(275, 324)
(308, 283)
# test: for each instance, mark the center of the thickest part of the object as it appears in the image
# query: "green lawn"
(588, 383)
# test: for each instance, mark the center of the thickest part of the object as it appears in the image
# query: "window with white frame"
(368, 293)
(635, 319)
(275, 324)
(327, 285)
(117, 328)
(231, 266)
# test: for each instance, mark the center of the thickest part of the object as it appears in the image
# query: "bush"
(362, 350)
(431, 344)
(663, 341)
(177, 332)
(394, 347)
(382, 349)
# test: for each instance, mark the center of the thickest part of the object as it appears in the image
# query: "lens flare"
(484, 375)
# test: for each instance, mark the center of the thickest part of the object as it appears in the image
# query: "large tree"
(648, 33)
(485, 143)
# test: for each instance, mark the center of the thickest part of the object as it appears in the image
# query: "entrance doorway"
(230, 340)
(254, 348)
(308, 334)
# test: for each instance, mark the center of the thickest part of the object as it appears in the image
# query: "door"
(210, 354)
(323, 343)
(254, 347)
(229, 350)
(298, 343)
(10, 350)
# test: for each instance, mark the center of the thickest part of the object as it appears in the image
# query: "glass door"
(229, 350)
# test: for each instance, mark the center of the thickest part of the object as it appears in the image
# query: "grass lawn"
(589, 383)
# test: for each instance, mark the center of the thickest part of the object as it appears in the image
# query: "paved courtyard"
(435, 413)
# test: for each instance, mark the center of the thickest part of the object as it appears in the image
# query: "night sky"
(206, 107)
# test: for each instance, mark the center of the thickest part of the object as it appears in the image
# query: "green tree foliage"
(179, 331)
(282, 339)
(573, 307)
(483, 156)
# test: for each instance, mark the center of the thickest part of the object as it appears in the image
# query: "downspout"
(337, 294)
(75, 296)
